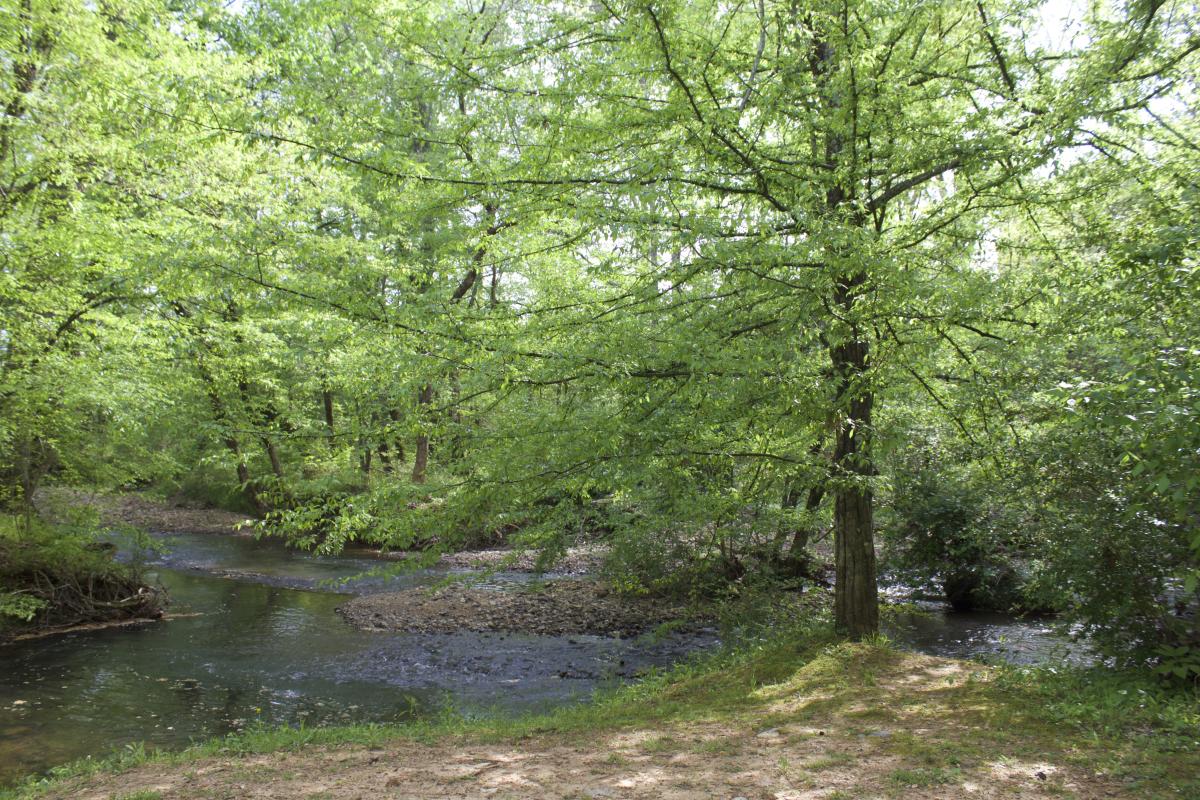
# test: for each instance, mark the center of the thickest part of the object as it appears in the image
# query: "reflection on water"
(271, 562)
(256, 651)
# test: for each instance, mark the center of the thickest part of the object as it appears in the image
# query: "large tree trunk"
(856, 602)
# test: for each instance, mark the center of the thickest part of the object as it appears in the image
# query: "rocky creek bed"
(553, 608)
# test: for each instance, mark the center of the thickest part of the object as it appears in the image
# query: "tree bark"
(856, 602)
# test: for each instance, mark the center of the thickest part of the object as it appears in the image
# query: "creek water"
(255, 640)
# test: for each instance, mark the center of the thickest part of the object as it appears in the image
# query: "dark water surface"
(256, 640)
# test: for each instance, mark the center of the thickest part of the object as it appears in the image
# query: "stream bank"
(808, 722)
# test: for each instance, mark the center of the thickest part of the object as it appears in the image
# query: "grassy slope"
(841, 720)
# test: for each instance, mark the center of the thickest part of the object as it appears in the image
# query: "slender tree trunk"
(803, 533)
(273, 456)
(421, 452)
(327, 402)
(792, 490)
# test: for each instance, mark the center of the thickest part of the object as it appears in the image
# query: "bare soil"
(799, 746)
(554, 608)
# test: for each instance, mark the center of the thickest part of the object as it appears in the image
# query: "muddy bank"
(555, 608)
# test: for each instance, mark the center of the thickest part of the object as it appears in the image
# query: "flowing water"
(255, 640)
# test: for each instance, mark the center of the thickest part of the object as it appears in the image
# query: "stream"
(255, 640)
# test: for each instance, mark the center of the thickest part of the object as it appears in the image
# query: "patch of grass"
(718, 746)
(660, 744)
(934, 753)
(830, 761)
(921, 778)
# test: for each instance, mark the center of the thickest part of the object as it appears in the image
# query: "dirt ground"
(798, 746)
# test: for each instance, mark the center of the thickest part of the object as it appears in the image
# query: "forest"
(793, 314)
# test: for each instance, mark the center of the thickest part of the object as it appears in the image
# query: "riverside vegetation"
(733, 299)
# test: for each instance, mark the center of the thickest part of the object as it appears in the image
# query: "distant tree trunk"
(421, 453)
(327, 401)
(273, 456)
(792, 489)
(385, 460)
(249, 486)
(791, 498)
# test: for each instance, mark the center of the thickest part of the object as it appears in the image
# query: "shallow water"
(987, 636)
(268, 648)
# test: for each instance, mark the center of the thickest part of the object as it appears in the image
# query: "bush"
(943, 535)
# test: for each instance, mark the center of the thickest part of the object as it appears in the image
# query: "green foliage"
(20, 605)
(945, 532)
(677, 276)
